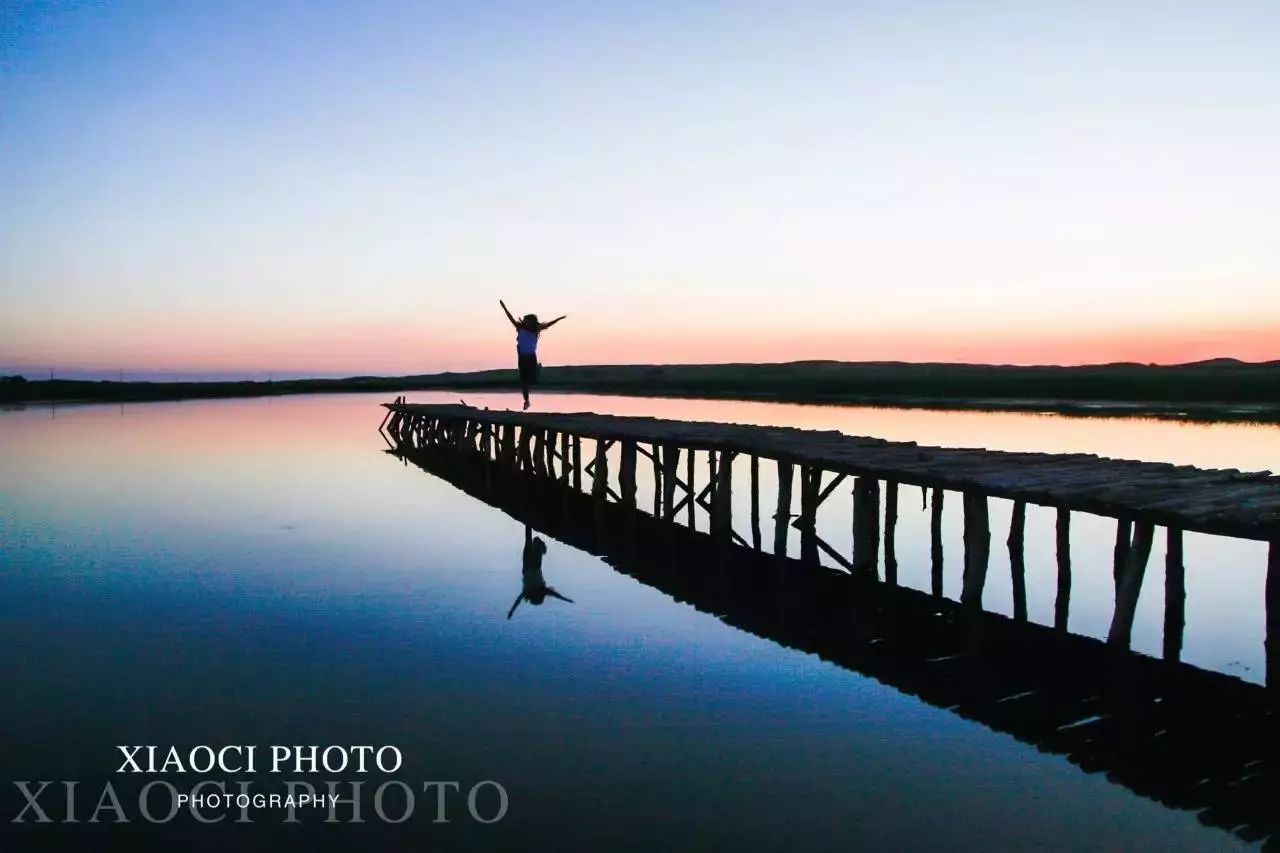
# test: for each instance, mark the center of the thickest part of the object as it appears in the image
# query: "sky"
(324, 187)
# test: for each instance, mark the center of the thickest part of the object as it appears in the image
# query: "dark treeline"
(1210, 388)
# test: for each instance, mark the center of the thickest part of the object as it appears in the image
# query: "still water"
(260, 572)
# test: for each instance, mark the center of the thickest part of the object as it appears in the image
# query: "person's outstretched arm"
(548, 325)
(508, 313)
(512, 611)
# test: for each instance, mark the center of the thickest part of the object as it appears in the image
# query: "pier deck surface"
(1227, 502)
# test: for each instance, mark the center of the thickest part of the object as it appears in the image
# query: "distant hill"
(1216, 387)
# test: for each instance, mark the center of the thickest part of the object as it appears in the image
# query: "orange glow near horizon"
(403, 349)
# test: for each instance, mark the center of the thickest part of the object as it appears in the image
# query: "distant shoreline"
(1220, 390)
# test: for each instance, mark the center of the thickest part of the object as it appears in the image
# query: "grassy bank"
(1218, 389)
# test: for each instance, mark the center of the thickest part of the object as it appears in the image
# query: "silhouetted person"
(527, 330)
(534, 587)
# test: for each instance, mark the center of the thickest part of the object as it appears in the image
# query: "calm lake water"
(261, 572)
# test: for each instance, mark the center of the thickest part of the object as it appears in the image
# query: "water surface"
(259, 571)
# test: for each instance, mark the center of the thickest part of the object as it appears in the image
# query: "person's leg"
(528, 366)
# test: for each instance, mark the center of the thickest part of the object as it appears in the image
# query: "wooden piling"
(1131, 576)
(565, 464)
(656, 459)
(1062, 601)
(1175, 595)
(722, 498)
(890, 528)
(627, 474)
(866, 525)
(808, 520)
(539, 452)
(935, 541)
(1120, 556)
(552, 441)
(523, 458)
(600, 471)
(508, 445)
(1017, 563)
(977, 548)
(755, 502)
(782, 517)
(577, 463)
(689, 475)
(670, 466)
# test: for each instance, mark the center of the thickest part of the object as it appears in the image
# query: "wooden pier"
(1188, 738)
(579, 451)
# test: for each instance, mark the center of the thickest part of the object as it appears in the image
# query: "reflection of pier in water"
(1189, 738)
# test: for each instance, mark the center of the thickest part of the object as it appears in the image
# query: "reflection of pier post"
(1017, 563)
(1135, 568)
(782, 517)
(935, 541)
(890, 528)
(1273, 617)
(977, 548)
(1062, 602)
(1175, 596)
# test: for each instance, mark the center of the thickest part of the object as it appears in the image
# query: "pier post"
(565, 465)
(486, 440)
(1273, 617)
(550, 448)
(755, 502)
(1017, 563)
(1120, 557)
(600, 471)
(670, 465)
(935, 541)
(722, 499)
(539, 452)
(890, 528)
(1135, 569)
(689, 475)
(977, 548)
(782, 517)
(523, 459)
(1175, 595)
(508, 445)
(577, 463)
(712, 483)
(808, 521)
(656, 459)
(1062, 602)
(627, 473)
(866, 525)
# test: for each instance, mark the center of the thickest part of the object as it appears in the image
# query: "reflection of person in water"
(534, 587)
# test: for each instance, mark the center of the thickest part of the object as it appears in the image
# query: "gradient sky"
(350, 187)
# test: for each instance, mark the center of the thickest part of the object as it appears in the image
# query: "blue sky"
(352, 186)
